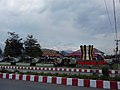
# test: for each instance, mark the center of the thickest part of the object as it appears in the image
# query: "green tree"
(0, 52)
(14, 46)
(32, 47)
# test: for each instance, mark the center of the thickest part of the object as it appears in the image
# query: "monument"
(89, 57)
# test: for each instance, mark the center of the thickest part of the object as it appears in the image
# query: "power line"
(109, 18)
(115, 20)
(117, 41)
(115, 26)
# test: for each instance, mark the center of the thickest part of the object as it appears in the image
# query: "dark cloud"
(60, 24)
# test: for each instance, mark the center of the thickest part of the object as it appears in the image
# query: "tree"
(32, 47)
(0, 52)
(14, 46)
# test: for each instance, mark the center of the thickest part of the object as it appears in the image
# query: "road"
(6, 84)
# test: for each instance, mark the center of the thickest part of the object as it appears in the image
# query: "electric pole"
(116, 51)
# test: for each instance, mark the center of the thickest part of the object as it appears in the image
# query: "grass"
(115, 66)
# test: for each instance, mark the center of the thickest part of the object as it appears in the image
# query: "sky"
(61, 24)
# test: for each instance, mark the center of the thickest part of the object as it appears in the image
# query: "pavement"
(6, 84)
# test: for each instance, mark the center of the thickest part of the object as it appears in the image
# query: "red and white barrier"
(114, 85)
(99, 71)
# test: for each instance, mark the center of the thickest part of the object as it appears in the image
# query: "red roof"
(75, 54)
(96, 52)
(50, 54)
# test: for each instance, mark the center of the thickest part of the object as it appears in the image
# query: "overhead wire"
(115, 23)
(115, 20)
(109, 18)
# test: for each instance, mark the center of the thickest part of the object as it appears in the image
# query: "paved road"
(6, 84)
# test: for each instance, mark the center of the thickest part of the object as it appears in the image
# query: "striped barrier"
(99, 71)
(113, 85)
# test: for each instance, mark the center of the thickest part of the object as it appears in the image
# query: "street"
(6, 84)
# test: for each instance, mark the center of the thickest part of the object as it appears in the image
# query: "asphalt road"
(6, 84)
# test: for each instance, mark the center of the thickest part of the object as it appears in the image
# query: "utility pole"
(116, 52)
(119, 55)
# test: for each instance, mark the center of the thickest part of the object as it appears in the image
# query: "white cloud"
(18, 7)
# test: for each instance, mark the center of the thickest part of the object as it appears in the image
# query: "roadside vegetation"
(19, 47)
(94, 76)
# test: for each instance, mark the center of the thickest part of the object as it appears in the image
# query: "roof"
(50, 53)
(78, 52)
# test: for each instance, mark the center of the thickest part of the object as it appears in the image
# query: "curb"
(114, 85)
(99, 71)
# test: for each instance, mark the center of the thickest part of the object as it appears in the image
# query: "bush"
(104, 78)
(73, 76)
(94, 77)
(117, 78)
(63, 75)
(105, 71)
(32, 64)
(13, 63)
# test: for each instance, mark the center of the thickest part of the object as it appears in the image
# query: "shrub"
(117, 78)
(105, 71)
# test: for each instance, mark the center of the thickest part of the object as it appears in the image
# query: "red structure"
(88, 56)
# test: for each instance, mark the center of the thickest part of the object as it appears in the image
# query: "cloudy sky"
(61, 24)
